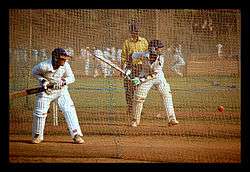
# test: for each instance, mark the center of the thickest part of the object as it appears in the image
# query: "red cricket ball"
(221, 108)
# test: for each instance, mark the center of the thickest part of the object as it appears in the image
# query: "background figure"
(113, 54)
(22, 55)
(178, 60)
(43, 54)
(116, 59)
(95, 63)
(119, 56)
(85, 53)
(98, 64)
(108, 71)
(70, 51)
(219, 47)
(133, 44)
(35, 55)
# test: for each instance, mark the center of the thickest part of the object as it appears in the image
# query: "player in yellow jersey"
(134, 43)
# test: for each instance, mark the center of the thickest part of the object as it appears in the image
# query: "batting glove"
(45, 84)
(136, 81)
(128, 72)
(59, 84)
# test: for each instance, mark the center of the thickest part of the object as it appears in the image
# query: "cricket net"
(210, 46)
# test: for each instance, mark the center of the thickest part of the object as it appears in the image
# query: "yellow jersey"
(130, 46)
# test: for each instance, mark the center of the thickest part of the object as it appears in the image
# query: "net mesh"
(210, 45)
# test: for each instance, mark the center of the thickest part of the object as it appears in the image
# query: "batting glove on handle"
(136, 81)
(59, 84)
(128, 73)
(46, 84)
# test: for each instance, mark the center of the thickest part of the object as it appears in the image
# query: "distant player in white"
(113, 54)
(152, 75)
(70, 51)
(85, 53)
(119, 56)
(22, 55)
(107, 69)
(96, 63)
(57, 71)
(43, 54)
(35, 55)
(178, 60)
(219, 47)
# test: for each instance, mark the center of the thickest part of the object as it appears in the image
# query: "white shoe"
(173, 122)
(36, 139)
(134, 124)
(78, 140)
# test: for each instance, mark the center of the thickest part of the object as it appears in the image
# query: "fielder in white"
(152, 66)
(85, 53)
(35, 55)
(107, 70)
(43, 54)
(179, 60)
(219, 47)
(55, 70)
(119, 56)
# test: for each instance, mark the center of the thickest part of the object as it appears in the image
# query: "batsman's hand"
(136, 81)
(128, 73)
(45, 84)
(57, 85)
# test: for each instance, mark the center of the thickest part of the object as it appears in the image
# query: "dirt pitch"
(185, 143)
(104, 149)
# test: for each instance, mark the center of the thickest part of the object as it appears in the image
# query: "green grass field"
(189, 93)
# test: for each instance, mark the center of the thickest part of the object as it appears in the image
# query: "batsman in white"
(57, 71)
(153, 62)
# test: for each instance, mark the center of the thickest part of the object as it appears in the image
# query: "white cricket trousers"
(141, 94)
(65, 104)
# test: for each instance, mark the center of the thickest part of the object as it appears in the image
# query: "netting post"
(29, 57)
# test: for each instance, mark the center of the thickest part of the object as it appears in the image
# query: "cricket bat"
(26, 92)
(100, 57)
(110, 63)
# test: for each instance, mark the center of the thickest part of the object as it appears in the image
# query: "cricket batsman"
(152, 67)
(56, 71)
